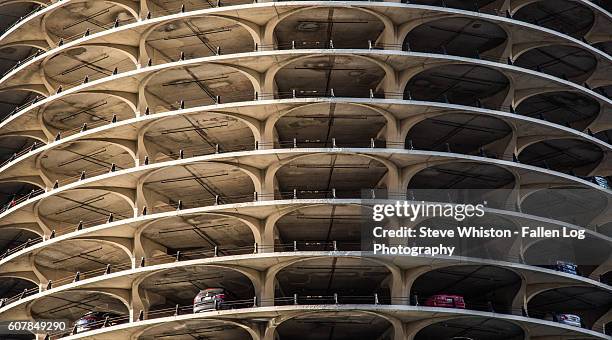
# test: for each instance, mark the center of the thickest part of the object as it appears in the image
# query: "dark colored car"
(95, 320)
(446, 300)
(209, 299)
(565, 267)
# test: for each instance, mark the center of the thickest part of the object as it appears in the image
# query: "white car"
(209, 299)
(569, 319)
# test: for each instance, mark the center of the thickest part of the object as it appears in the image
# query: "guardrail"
(222, 3)
(196, 151)
(296, 246)
(297, 94)
(295, 143)
(293, 45)
(301, 45)
(335, 299)
(302, 245)
(24, 17)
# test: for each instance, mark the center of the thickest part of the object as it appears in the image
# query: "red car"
(446, 300)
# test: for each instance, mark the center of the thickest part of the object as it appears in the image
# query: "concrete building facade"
(152, 149)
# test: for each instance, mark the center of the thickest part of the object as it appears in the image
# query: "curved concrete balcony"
(108, 199)
(97, 50)
(286, 318)
(510, 88)
(593, 26)
(162, 148)
(597, 120)
(167, 29)
(143, 228)
(251, 276)
(528, 133)
(396, 167)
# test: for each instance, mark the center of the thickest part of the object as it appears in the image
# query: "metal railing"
(476, 7)
(304, 245)
(289, 45)
(331, 299)
(300, 45)
(295, 143)
(294, 94)
(20, 153)
(24, 17)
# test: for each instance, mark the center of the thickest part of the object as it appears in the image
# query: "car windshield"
(214, 292)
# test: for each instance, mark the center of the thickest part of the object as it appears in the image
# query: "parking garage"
(226, 209)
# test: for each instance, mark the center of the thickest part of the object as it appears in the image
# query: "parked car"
(569, 319)
(601, 181)
(566, 267)
(446, 300)
(209, 299)
(95, 320)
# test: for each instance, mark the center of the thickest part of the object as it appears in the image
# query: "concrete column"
(45, 274)
(139, 302)
(269, 183)
(399, 330)
(48, 131)
(269, 135)
(143, 105)
(144, 9)
(504, 51)
(264, 287)
(520, 299)
(144, 149)
(411, 329)
(394, 183)
(267, 236)
(393, 135)
(507, 145)
(411, 275)
(400, 291)
(145, 247)
(603, 321)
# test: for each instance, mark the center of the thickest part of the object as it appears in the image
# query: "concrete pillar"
(268, 135)
(264, 287)
(139, 302)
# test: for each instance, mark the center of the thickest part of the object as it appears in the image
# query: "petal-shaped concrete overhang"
(591, 304)
(134, 82)
(221, 329)
(569, 17)
(407, 321)
(564, 108)
(196, 37)
(71, 66)
(527, 131)
(137, 228)
(466, 37)
(16, 34)
(121, 281)
(137, 157)
(273, 23)
(323, 27)
(478, 327)
(72, 112)
(402, 165)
